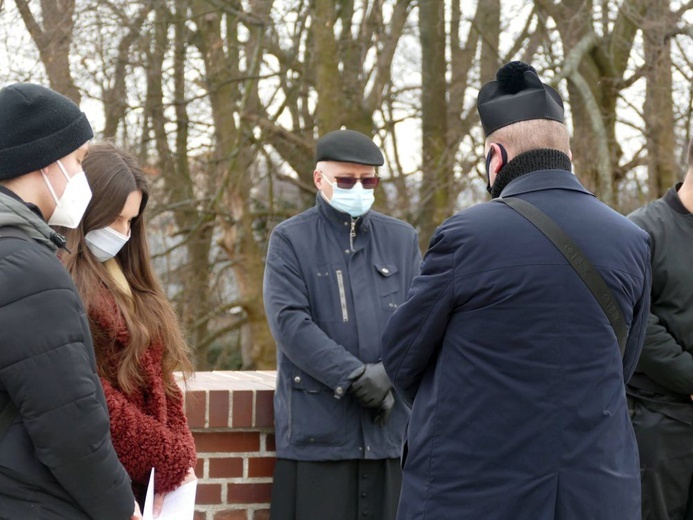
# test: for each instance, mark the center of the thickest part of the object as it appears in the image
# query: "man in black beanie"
(514, 370)
(56, 456)
(333, 276)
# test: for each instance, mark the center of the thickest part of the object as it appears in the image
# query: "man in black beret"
(513, 369)
(334, 275)
(56, 456)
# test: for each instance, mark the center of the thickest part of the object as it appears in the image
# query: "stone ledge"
(228, 399)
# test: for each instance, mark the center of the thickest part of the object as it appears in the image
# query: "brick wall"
(232, 419)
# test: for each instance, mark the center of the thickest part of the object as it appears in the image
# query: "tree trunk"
(330, 108)
(435, 187)
(53, 42)
(659, 109)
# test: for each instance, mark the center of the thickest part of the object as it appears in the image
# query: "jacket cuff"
(342, 387)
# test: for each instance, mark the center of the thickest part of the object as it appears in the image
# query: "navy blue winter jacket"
(515, 374)
(329, 290)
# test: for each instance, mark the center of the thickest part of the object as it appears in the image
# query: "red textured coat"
(148, 427)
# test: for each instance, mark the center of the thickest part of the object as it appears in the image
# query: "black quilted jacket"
(56, 457)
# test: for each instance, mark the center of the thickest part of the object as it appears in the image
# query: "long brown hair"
(113, 174)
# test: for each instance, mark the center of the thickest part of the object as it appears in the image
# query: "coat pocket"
(317, 417)
(388, 283)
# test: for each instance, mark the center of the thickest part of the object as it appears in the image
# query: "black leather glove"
(371, 387)
(382, 415)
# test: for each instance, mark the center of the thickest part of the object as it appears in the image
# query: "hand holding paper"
(179, 504)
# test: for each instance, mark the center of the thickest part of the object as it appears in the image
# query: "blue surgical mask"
(355, 201)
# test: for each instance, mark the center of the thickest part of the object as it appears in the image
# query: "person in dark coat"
(662, 385)
(334, 275)
(513, 370)
(56, 457)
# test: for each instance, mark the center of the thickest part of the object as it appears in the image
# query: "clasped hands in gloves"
(372, 388)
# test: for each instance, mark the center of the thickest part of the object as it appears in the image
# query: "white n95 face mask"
(105, 243)
(70, 208)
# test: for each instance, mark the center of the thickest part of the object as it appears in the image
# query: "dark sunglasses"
(347, 183)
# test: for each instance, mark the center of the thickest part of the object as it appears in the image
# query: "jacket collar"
(544, 180)
(16, 213)
(671, 197)
(336, 217)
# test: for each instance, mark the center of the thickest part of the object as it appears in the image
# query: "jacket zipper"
(342, 295)
(352, 234)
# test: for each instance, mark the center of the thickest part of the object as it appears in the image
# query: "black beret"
(348, 146)
(517, 94)
(38, 126)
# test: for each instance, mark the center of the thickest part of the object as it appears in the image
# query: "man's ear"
(496, 162)
(317, 179)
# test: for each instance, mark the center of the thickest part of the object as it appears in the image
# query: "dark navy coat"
(516, 378)
(329, 290)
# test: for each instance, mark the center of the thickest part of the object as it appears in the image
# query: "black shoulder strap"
(589, 275)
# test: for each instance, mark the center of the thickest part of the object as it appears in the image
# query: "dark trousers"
(665, 441)
(337, 490)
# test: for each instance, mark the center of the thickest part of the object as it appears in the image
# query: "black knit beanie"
(38, 126)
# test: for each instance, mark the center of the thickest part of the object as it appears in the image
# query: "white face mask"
(70, 208)
(105, 243)
(355, 201)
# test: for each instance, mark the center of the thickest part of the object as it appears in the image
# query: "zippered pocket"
(342, 296)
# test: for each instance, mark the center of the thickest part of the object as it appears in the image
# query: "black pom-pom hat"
(517, 94)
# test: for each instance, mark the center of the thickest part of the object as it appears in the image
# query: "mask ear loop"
(50, 188)
(504, 154)
(62, 169)
(489, 156)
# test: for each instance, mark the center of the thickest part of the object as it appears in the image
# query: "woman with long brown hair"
(137, 337)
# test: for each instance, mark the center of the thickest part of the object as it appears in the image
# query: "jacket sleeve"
(662, 359)
(142, 442)
(637, 334)
(416, 258)
(46, 370)
(287, 306)
(415, 332)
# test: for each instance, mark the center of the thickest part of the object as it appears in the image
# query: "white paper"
(148, 513)
(179, 504)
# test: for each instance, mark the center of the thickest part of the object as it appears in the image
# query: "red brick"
(196, 408)
(225, 467)
(208, 494)
(200, 515)
(261, 466)
(249, 493)
(218, 409)
(270, 444)
(242, 413)
(232, 514)
(214, 442)
(261, 514)
(200, 468)
(264, 409)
